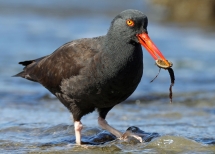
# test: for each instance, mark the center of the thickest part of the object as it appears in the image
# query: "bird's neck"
(117, 48)
(120, 54)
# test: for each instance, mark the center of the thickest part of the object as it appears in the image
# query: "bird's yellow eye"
(130, 22)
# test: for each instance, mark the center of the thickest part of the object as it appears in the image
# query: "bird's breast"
(117, 84)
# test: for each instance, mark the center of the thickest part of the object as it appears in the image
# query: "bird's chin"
(134, 40)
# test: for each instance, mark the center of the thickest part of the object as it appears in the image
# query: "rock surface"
(200, 12)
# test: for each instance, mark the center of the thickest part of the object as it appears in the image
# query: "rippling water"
(32, 120)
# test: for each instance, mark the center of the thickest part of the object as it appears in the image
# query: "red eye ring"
(130, 22)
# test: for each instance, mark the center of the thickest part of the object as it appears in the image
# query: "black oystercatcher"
(96, 73)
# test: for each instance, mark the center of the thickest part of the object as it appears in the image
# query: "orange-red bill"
(145, 41)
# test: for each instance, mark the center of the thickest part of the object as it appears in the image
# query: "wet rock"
(100, 138)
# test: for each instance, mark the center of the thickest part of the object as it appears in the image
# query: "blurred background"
(183, 30)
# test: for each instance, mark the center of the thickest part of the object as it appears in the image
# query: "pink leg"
(78, 127)
(104, 125)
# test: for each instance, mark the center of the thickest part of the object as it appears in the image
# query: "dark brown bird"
(96, 73)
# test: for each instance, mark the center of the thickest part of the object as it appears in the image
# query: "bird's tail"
(24, 74)
(21, 74)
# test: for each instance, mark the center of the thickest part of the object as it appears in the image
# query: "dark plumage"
(94, 73)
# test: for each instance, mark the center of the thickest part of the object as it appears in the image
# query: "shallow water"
(32, 120)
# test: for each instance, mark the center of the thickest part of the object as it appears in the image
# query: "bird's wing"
(65, 62)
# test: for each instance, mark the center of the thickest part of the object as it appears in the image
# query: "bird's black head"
(130, 26)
